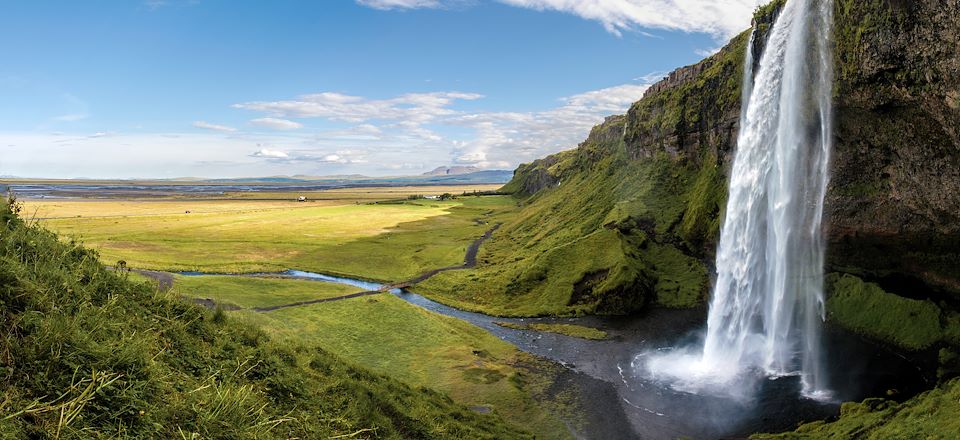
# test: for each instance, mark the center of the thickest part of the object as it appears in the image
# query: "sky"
(243, 88)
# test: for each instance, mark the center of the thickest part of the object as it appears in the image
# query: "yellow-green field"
(340, 236)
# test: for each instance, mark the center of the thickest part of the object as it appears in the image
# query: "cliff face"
(651, 184)
(893, 206)
(894, 202)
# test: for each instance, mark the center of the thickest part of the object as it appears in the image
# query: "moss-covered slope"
(86, 353)
(931, 415)
(628, 218)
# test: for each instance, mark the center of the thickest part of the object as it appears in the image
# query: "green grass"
(387, 242)
(257, 292)
(931, 415)
(85, 353)
(420, 348)
(576, 331)
(606, 241)
(867, 309)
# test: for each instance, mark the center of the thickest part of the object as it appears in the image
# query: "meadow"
(378, 234)
(394, 338)
(344, 232)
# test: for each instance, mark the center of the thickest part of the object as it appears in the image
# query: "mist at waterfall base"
(767, 307)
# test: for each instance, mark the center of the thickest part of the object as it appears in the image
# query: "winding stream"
(655, 410)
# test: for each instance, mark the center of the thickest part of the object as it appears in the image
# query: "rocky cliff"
(894, 201)
(651, 184)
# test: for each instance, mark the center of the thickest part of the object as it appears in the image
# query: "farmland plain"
(343, 232)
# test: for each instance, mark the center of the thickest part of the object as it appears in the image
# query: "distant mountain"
(482, 176)
(452, 171)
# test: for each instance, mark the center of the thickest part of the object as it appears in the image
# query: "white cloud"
(414, 107)
(708, 52)
(722, 19)
(411, 133)
(72, 117)
(215, 127)
(310, 156)
(506, 138)
(427, 126)
(277, 123)
(400, 4)
(272, 154)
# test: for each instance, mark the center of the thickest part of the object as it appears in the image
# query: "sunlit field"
(387, 239)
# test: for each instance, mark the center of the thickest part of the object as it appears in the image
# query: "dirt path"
(469, 261)
(165, 280)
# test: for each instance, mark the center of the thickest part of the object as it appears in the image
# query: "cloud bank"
(722, 19)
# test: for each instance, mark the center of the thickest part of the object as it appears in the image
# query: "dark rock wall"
(894, 202)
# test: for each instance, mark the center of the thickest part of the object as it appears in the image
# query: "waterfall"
(767, 307)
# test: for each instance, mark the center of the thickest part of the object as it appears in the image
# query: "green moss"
(931, 415)
(689, 108)
(859, 21)
(867, 309)
(952, 328)
(607, 240)
(765, 13)
(681, 280)
(706, 199)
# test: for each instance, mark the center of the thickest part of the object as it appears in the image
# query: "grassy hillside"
(626, 219)
(395, 338)
(88, 354)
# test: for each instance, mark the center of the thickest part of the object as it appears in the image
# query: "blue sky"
(221, 88)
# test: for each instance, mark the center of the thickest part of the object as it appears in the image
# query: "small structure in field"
(302, 199)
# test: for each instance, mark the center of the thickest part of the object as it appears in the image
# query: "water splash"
(767, 307)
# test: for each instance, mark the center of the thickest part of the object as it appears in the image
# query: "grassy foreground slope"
(87, 354)
(400, 340)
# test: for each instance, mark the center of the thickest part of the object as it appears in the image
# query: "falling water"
(767, 306)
